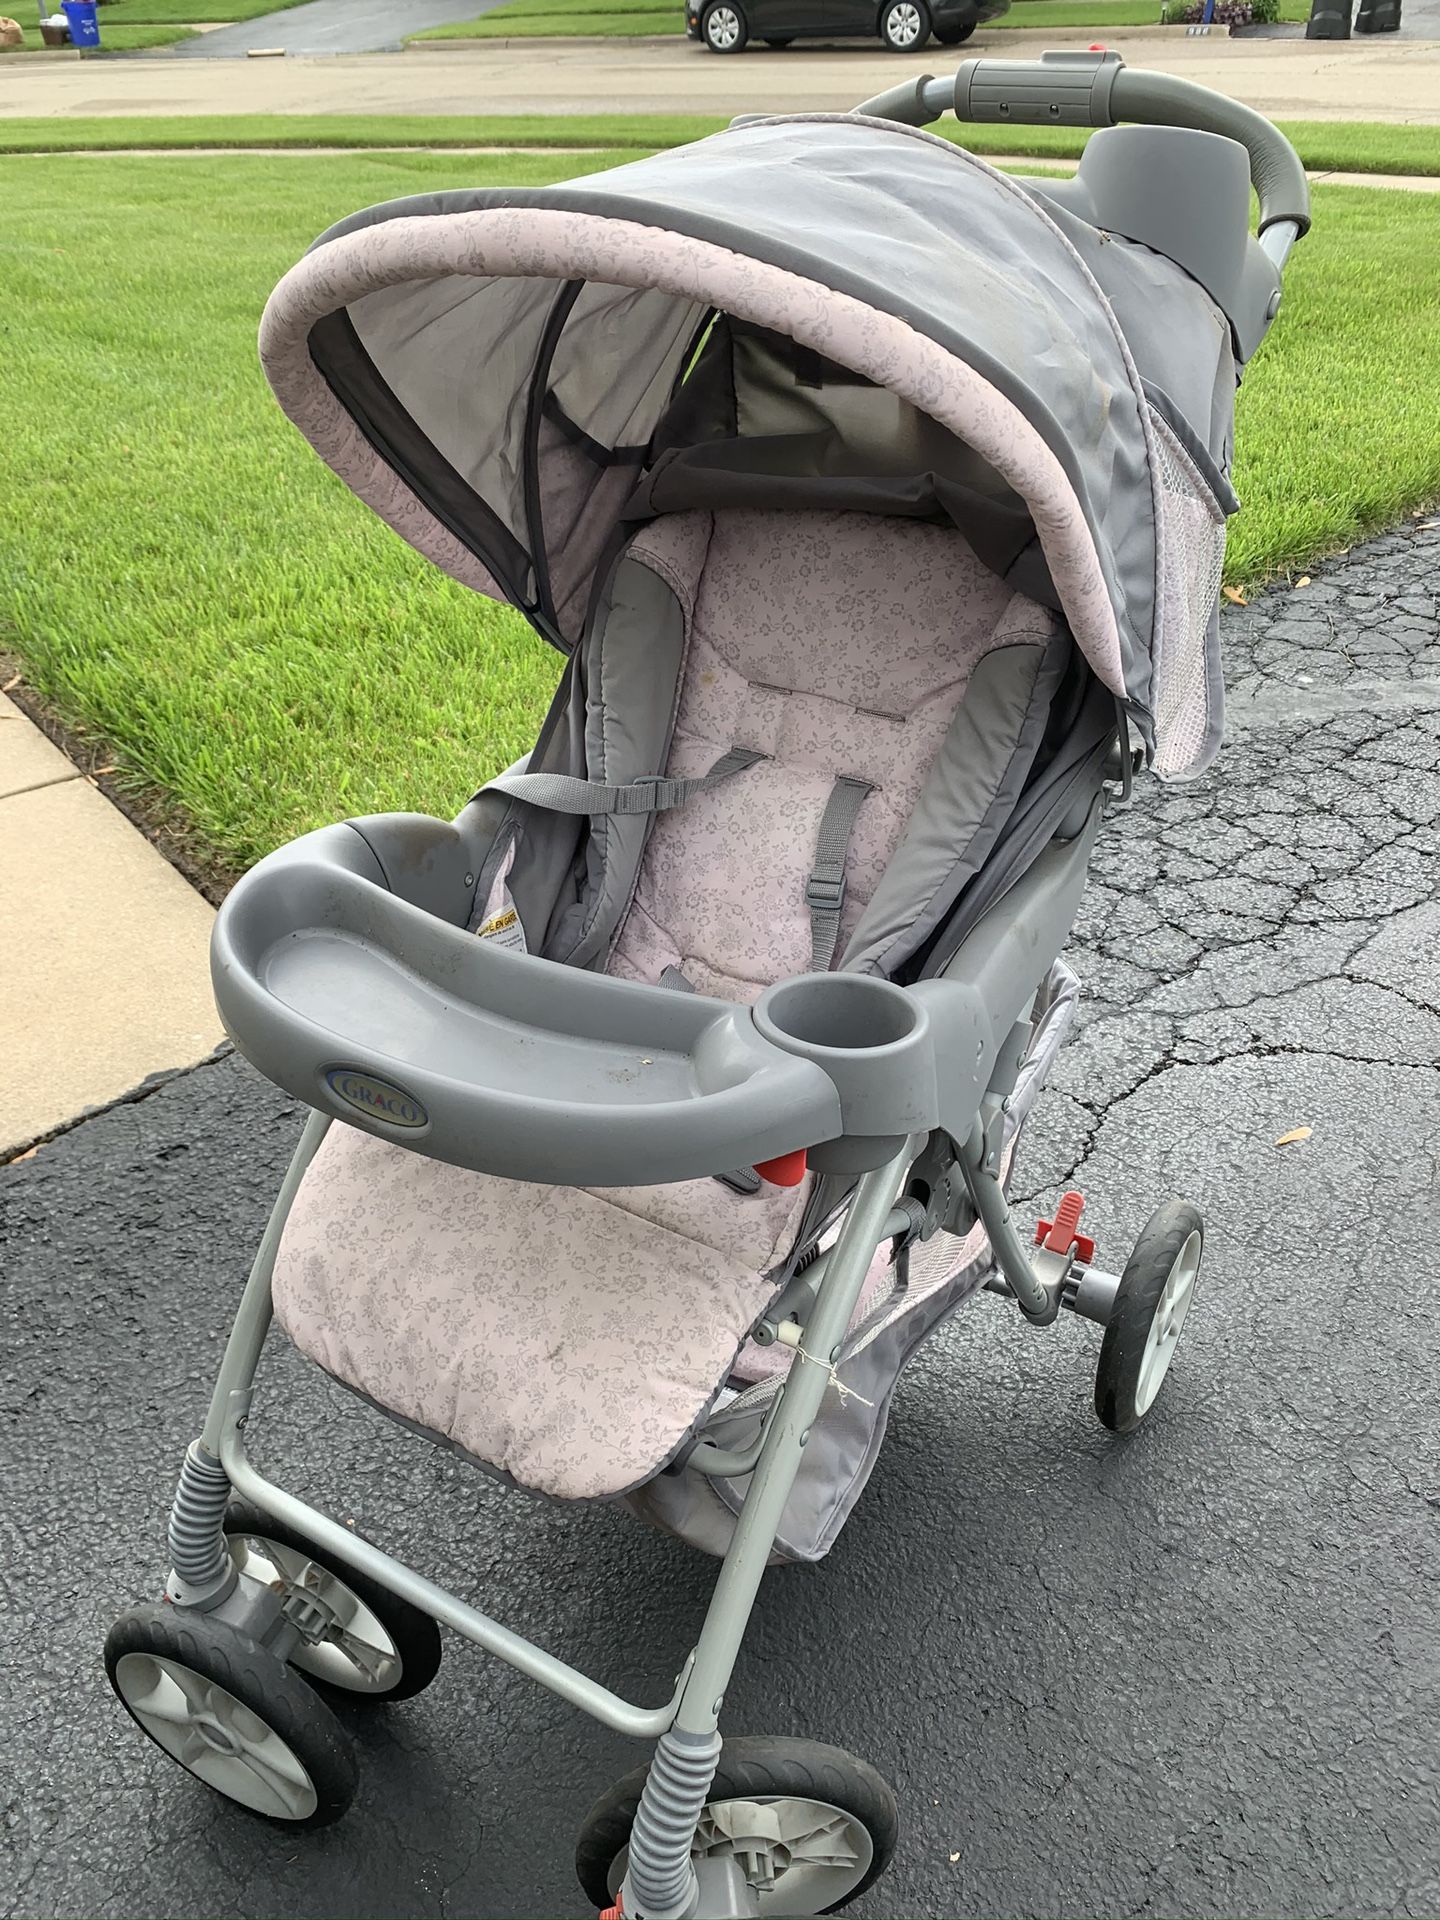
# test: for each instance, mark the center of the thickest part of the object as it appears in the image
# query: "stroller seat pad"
(575, 1339)
(569, 1337)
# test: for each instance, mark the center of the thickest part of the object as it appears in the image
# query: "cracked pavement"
(1195, 1672)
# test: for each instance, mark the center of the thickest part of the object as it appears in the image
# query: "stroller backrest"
(893, 695)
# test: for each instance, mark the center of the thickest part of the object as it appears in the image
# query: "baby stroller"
(877, 502)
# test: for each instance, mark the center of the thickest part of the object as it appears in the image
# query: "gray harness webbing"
(654, 793)
(825, 889)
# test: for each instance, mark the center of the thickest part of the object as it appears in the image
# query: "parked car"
(728, 26)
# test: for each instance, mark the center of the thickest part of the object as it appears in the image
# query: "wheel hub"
(1168, 1323)
(342, 1642)
(216, 1736)
(789, 1850)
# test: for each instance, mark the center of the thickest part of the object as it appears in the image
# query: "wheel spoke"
(276, 1768)
(791, 1851)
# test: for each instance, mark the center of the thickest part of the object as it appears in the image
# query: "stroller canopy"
(494, 371)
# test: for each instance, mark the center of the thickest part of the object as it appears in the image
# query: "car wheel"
(955, 36)
(723, 28)
(905, 25)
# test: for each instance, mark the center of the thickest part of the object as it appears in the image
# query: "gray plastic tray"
(393, 1019)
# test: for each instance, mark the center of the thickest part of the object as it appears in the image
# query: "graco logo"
(380, 1099)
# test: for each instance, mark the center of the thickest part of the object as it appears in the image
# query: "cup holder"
(833, 1013)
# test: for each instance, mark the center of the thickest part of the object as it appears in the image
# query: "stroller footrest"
(389, 1017)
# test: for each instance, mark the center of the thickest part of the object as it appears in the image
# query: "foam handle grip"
(1066, 89)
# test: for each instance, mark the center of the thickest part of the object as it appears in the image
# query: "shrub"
(1228, 13)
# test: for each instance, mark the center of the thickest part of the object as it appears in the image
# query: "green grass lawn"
(119, 38)
(564, 19)
(129, 26)
(187, 583)
(1359, 146)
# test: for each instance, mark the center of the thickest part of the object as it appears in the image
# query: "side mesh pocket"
(1187, 691)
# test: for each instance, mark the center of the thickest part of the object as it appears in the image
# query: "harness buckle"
(825, 889)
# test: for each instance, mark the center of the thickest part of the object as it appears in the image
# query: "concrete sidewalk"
(1362, 79)
(103, 974)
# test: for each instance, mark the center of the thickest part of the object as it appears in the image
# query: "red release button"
(786, 1170)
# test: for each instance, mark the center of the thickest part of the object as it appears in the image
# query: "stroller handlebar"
(1081, 89)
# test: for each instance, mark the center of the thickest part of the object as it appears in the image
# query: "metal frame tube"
(254, 1314)
(695, 1704)
(578, 1688)
(1011, 1255)
(788, 1430)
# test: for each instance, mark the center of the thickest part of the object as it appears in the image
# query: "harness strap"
(653, 793)
(825, 889)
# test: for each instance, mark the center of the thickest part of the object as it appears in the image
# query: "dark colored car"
(728, 26)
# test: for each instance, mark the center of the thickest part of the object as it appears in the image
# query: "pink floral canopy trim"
(561, 246)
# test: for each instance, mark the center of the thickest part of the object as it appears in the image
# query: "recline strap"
(825, 889)
(654, 793)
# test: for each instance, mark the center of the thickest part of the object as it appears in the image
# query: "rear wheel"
(779, 43)
(955, 36)
(723, 28)
(1148, 1315)
(905, 25)
(811, 1825)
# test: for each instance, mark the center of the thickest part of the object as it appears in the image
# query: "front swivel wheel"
(810, 1825)
(232, 1713)
(1148, 1315)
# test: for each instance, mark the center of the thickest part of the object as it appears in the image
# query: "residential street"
(1316, 80)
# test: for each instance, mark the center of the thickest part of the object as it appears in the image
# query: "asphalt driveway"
(1196, 1672)
(331, 26)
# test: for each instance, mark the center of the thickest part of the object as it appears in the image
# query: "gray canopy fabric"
(489, 369)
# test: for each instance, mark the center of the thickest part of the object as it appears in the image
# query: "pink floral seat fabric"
(575, 1339)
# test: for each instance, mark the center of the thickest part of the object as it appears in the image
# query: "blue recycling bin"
(82, 17)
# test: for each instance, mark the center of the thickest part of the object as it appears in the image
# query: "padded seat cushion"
(571, 1338)
(574, 1339)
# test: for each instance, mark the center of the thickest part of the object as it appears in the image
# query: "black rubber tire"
(919, 41)
(416, 1635)
(798, 1769)
(743, 41)
(260, 1681)
(779, 43)
(1117, 1374)
(954, 36)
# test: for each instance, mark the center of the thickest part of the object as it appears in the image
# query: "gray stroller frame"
(905, 1088)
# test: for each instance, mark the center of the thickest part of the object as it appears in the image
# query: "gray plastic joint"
(201, 1566)
(660, 1881)
(1091, 1293)
(905, 103)
(1070, 88)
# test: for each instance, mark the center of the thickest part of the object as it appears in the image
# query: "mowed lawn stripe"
(1350, 146)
